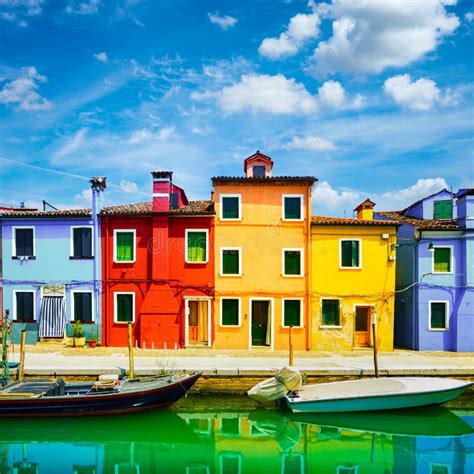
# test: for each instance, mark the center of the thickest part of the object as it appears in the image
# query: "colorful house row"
(232, 272)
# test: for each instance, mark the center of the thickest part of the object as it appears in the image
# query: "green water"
(204, 435)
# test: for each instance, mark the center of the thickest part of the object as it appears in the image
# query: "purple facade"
(434, 306)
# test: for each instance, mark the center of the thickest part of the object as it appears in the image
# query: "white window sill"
(293, 327)
(224, 326)
(439, 329)
(225, 275)
(292, 276)
(197, 263)
(330, 327)
(350, 268)
(442, 273)
(124, 322)
(230, 220)
(125, 261)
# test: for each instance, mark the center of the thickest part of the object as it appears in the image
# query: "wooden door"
(259, 322)
(193, 321)
(362, 326)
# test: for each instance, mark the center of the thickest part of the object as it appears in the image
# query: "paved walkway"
(45, 361)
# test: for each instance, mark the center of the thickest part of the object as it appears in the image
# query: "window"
(23, 243)
(81, 242)
(438, 315)
(436, 468)
(292, 464)
(343, 469)
(82, 306)
(443, 209)
(230, 207)
(350, 254)
(292, 207)
(292, 262)
(230, 261)
(196, 246)
(230, 426)
(124, 307)
(230, 312)
(442, 260)
(330, 313)
(291, 313)
(259, 171)
(229, 463)
(24, 309)
(124, 246)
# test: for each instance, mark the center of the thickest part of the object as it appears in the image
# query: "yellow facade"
(261, 235)
(367, 289)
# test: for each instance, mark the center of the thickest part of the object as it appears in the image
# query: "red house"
(158, 269)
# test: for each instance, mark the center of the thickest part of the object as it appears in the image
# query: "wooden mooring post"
(290, 346)
(130, 353)
(21, 368)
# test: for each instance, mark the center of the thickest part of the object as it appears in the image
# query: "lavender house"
(51, 269)
(434, 305)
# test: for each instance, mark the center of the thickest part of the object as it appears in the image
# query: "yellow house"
(262, 232)
(352, 281)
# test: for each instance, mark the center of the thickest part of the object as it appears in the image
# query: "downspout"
(309, 273)
(416, 290)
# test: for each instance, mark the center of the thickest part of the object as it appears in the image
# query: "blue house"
(52, 270)
(434, 304)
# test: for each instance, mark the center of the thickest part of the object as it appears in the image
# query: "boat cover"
(274, 388)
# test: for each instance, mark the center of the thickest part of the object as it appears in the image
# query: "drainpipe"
(416, 309)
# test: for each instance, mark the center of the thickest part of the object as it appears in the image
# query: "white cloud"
(145, 135)
(11, 9)
(310, 143)
(84, 197)
(301, 29)
(83, 8)
(422, 188)
(324, 195)
(102, 57)
(224, 21)
(72, 144)
(469, 16)
(332, 94)
(422, 94)
(22, 91)
(263, 93)
(128, 186)
(368, 37)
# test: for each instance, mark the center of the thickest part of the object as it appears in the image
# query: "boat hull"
(375, 402)
(100, 404)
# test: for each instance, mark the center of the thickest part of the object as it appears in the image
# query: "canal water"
(207, 435)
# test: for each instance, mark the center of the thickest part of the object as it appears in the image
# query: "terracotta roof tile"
(274, 180)
(325, 220)
(57, 213)
(423, 224)
(146, 208)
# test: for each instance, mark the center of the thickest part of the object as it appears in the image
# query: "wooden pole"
(290, 345)
(374, 335)
(130, 352)
(21, 368)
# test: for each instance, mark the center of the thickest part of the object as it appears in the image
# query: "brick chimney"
(365, 210)
(162, 186)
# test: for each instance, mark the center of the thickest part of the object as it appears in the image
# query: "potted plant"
(93, 339)
(78, 334)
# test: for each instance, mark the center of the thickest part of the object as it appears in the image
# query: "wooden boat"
(57, 398)
(385, 393)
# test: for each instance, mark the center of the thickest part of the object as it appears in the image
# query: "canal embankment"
(236, 371)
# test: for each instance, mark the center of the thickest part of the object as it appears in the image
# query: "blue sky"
(376, 102)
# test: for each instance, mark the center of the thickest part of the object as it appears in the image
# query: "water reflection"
(434, 441)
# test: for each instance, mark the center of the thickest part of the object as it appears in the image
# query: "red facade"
(166, 288)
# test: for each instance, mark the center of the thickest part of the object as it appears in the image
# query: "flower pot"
(79, 341)
(92, 343)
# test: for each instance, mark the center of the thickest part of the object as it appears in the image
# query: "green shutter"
(330, 310)
(438, 315)
(230, 208)
(292, 208)
(197, 247)
(230, 312)
(292, 262)
(230, 262)
(125, 308)
(350, 253)
(355, 253)
(443, 209)
(83, 307)
(442, 259)
(125, 248)
(292, 313)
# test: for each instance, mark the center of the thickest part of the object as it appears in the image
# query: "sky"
(373, 98)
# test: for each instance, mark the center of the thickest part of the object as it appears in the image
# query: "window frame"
(71, 241)
(451, 260)
(228, 454)
(302, 265)
(446, 316)
(133, 307)
(327, 326)
(14, 228)
(73, 292)
(187, 231)
(134, 232)
(221, 263)
(360, 266)
(301, 300)
(302, 207)
(221, 207)
(15, 318)
(443, 200)
(239, 313)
